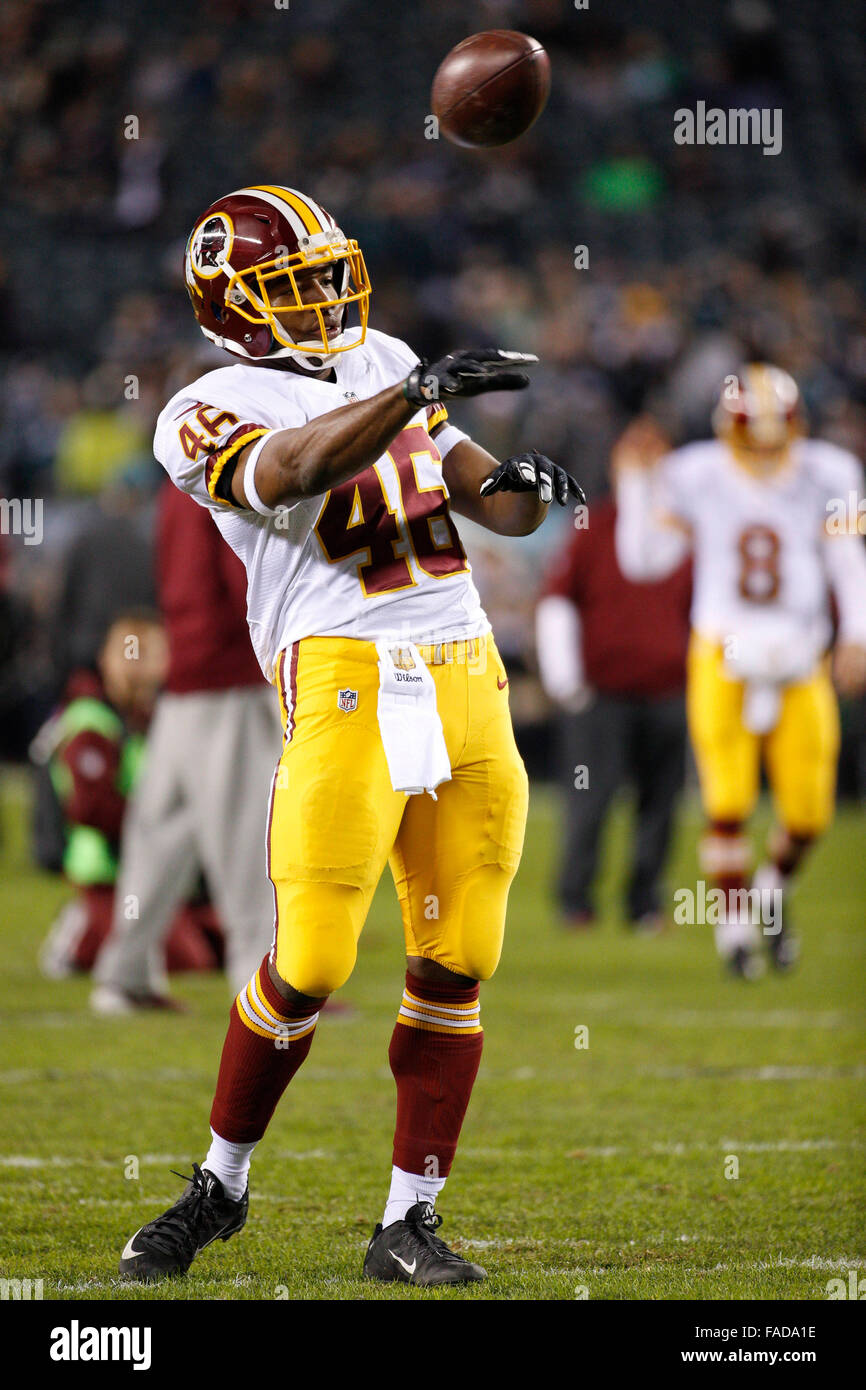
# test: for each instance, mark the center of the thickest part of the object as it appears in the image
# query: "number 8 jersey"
(762, 545)
(376, 556)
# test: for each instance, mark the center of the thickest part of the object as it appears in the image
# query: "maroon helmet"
(257, 235)
(759, 415)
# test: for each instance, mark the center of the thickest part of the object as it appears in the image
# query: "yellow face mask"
(248, 294)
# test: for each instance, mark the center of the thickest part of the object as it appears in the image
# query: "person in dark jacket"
(612, 656)
(213, 747)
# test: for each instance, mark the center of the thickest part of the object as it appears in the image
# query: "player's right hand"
(640, 445)
(469, 372)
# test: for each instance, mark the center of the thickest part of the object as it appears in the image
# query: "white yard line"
(144, 1160)
(853, 1071)
(655, 1147)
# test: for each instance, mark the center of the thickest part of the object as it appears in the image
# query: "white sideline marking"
(49, 1073)
(854, 1071)
(25, 1075)
(676, 1150)
(781, 1146)
(155, 1199)
(816, 1262)
(503, 1244)
(42, 1020)
(145, 1160)
(616, 1009)
(87, 1285)
(778, 1018)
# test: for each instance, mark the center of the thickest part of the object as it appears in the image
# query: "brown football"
(491, 87)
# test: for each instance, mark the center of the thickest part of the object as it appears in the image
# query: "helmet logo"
(210, 246)
(240, 268)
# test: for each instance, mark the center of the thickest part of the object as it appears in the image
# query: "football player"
(759, 508)
(327, 459)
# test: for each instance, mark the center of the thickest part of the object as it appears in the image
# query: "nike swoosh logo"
(129, 1250)
(501, 683)
(410, 1269)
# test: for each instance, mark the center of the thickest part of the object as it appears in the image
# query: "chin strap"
(313, 361)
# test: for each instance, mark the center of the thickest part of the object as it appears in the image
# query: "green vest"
(89, 857)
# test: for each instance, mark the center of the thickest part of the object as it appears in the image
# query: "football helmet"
(254, 237)
(759, 415)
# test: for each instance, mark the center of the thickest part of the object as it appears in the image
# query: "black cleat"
(784, 949)
(169, 1244)
(745, 964)
(410, 1252)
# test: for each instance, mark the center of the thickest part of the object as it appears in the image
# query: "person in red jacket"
(612, 656)
(212, 750)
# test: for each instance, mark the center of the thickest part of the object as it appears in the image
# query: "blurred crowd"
(640, 271)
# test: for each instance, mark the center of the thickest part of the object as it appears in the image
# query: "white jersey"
(765, 557)
(758, 542)
(376, 556)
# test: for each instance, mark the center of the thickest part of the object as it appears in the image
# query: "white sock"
(406, 1190)
(230, 1163)
(770, 883)
(767, 878)
(734, 934)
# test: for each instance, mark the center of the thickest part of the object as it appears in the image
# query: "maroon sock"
(434, 1055)
(787, 850)
(267, 1041)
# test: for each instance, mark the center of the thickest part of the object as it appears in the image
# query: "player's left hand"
(532, 472)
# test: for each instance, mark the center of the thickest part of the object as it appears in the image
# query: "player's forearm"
(646, 549)
(513, 513)
(845, 558)
(558, 642)
(505, 513)
(308, 461)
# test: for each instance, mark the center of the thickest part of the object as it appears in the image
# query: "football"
(491, 88)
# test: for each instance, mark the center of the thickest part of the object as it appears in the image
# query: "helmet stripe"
(297, 225)
(299, 205)
(299, 228)
(324, 219)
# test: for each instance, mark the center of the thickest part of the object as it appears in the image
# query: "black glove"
(533, 472)
(467, 373)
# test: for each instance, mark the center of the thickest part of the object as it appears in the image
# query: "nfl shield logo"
(347, 700)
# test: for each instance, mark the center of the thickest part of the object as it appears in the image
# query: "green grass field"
(597, 1172)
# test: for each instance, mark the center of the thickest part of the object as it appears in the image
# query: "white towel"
(409, 721)
(767, 653)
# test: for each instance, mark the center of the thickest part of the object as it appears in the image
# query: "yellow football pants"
(336, 820)
(799, 754)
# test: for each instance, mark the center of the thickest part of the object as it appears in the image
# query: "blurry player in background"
(326, 458)
(95, 748)
(756, 508)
